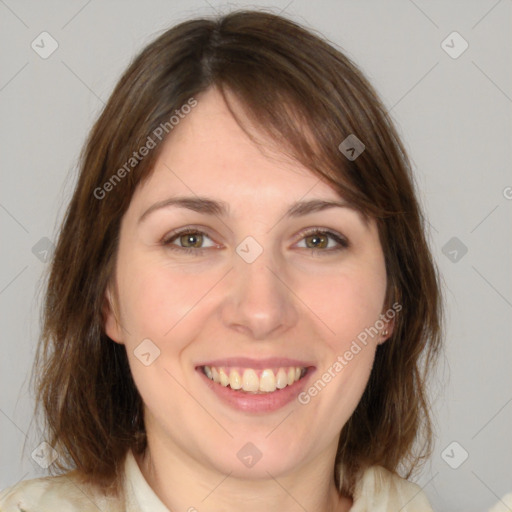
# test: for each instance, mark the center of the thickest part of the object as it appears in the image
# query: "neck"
(183, 483)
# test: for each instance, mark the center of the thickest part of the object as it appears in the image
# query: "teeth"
(248, 380)
(281, 379)
(267, 381)
(235, 381)
(224, 379)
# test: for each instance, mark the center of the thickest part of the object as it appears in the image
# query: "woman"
(242, 307)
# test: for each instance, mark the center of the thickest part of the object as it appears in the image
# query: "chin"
(258, 457)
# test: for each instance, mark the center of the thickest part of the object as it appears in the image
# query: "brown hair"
(309, 97)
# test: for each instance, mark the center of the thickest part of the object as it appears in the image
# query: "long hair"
(309, 97)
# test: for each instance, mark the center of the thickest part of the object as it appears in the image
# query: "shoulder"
(504, 505)
(380, 490)
(52, 493)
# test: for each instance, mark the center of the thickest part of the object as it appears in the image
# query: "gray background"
(453, 113)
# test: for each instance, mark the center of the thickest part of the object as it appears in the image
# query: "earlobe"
(111, 322)
(384, 335)
(386, 332)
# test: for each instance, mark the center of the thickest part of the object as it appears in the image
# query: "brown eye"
(317, 241)
(326, 241)
(191, 240)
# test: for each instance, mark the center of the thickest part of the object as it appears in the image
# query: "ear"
(389, 325)
(386, 333)
(111, 322)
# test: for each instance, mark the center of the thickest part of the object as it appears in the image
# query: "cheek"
(347, 302)
(156, 300)
(159, 305)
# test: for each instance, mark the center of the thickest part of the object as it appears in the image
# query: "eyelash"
(339, 239)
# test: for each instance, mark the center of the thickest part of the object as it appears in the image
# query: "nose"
(258, 302)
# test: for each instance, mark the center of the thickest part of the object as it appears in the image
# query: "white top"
(378, 490)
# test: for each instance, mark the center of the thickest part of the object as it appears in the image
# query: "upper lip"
(259, 364)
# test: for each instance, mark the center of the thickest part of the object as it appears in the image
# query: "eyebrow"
(220, 208)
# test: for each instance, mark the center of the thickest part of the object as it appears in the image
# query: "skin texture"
(292, 301)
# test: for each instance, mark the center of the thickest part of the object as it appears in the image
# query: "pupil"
(189, 239)
(318, 241)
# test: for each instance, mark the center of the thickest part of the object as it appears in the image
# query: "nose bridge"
(258, 302)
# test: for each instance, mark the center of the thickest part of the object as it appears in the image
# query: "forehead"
(208, 153)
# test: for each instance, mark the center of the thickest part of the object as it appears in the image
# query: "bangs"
(306, 110)
(306, 137)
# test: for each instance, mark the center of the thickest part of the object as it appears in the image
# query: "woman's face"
(269, 285)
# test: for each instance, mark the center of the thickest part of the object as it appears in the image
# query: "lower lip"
(257, 403)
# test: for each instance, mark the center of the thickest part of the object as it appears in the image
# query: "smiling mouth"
(255, 381)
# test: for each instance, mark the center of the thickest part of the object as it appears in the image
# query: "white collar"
(377, 490)
(139, 496)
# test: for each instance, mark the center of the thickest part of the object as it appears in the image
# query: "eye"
(189, 240)
(192, 241)
(323, 239)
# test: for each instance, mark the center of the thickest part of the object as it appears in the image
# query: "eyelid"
(166, 240)
(340, 239)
